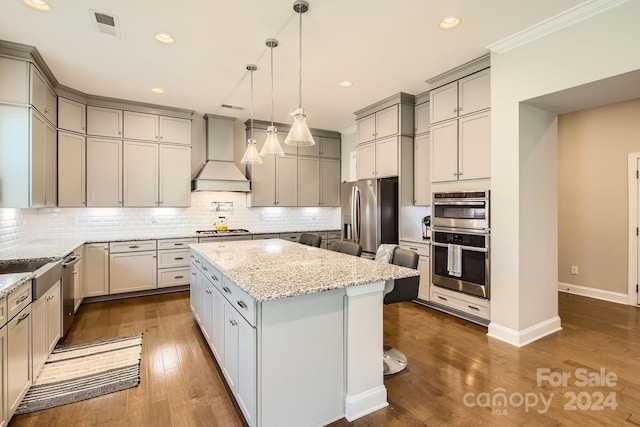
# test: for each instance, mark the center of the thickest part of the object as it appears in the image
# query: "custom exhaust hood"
(220, 173)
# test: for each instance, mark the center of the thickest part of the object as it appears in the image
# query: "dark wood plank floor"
(448, 359)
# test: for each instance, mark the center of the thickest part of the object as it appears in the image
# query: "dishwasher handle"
(70, 261)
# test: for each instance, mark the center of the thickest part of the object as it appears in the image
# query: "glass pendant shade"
(299, 135)
(251, 156)
(272, 146)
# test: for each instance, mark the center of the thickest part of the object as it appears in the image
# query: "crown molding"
(564, 19)
(349, 131)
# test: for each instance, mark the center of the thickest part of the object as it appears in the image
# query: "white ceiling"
(382, 46)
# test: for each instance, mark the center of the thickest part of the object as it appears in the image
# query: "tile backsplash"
(18, 225)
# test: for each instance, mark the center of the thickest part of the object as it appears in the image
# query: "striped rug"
(83, 371)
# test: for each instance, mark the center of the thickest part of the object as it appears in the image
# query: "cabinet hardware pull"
(227, 290)
(134, 247)
(208, 291)
(192, 257)
(197, 261)
(21, 318)
(242, 304)
(178, 258)
(413, 249)
(193, 274)
(442, 298)
(473, 308)
(233, 322)
(205, 268)
(22, 298)
(178, 277)
(178, 244)
(215, 279)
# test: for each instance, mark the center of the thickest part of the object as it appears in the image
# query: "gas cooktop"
(223, 232)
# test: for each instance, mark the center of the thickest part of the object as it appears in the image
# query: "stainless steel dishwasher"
(68, 295)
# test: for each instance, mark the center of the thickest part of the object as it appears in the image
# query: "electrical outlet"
(574, 270)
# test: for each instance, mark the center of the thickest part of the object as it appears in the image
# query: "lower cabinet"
(4, 419)
(19, 369)
(46, 313)
(132, 271)
(78, 285)
(424, 266)
(96, 269)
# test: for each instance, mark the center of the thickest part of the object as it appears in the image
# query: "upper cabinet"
(461, 97)
(104, 122)
(71, 169)
(151, 127)
(379, 125)
(72, 116)
(422, 118)
(43, 162)
(43, 98)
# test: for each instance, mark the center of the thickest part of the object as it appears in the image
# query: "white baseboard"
(365, 403)
(586, 291)
(525, 336)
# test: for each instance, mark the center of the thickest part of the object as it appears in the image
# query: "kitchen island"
(296, 330)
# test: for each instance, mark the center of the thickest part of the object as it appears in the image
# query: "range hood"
(220, 173)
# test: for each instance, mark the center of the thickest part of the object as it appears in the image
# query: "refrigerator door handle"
(356, 204)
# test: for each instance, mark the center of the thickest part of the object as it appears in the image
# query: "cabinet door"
(175, 176)
(193, 291)
(444, 102)
(38, 131)
(387, 122)
(96, 271)
(422, 178)
(329, 182)
(39, 345)
(132, 271)
(308, 181)
(51, 105)
(54, 324)
(71, 169)
(19, 358)
(474, 93)
(421, 118)
(104, 172)
(78, 284)
(330, 147)
(287, 181)
(366, 161)
(140, 126)
(38, 90)
(207, 309)
(230, 367)
(475, 146)
(424, 267)
(104, 121)
(175, 130)
(4, 416)
(15, 82)
(444, 152)
(50, 166)
(263, 182)
(387, 157)
(246, 383)
(217, 340)
(367, 129)
(140, 179)
(72, 116)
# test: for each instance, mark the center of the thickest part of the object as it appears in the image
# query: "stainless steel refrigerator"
(370, 212)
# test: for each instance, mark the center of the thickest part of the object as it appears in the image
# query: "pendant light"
(272, 146)
(299, 134)
(251, 156)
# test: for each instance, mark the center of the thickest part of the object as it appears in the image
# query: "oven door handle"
(468, 202)
(464, 248)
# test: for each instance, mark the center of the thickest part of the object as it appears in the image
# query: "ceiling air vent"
(105, 23)
(232, 107)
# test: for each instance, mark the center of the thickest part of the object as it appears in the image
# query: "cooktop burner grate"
(224, 232)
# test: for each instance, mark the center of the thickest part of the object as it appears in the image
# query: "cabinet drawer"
(421, 249)
(175, 258)
(333, 235)
(212, 273)
(175, 243)
(265, 236)
(3, 311)
(18, 299)
(173, 277)
(240, 300)
(132, 246)
(460, 302)
(292, 237)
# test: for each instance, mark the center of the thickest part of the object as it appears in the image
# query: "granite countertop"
(414, 239)
(41, 249)
(10, 282)
(272, 269)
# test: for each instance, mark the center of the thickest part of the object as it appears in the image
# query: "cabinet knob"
(119, 132)
(46, 110)
(455, 174)
(233, 322)
(160, 137)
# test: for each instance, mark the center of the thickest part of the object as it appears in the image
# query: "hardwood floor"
(451, 362)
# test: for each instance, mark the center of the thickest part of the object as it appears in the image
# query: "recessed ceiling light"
(450, 22)
(346, 84)
(157, 90)
(40, 5)
(164, 38)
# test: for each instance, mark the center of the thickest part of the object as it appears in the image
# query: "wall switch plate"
(574, 270)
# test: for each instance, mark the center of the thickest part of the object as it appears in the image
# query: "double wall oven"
(460, 242)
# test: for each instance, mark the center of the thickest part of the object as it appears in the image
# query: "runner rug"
(83, 371)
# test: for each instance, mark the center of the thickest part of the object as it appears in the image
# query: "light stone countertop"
(10, 282)
(414, 239)
(40, 249)
(275, 268)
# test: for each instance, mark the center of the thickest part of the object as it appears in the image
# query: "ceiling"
(383, 47)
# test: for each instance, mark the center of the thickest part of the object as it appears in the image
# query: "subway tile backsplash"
(18, 225)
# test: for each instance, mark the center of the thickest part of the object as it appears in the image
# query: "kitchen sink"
(47, 272)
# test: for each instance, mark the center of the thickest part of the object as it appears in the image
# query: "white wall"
(599, 47)
(349, 140)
